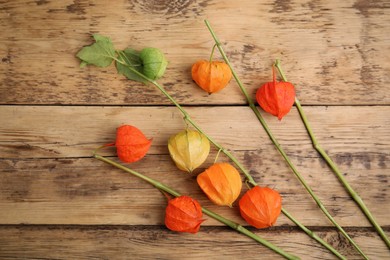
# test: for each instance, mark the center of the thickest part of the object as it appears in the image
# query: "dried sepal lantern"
(221, 182)
(260, 206)
(188, 149)
(211, 76)
(183, 214)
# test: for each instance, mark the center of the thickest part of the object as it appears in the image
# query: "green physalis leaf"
(154, 63)
(100, 54)
(146, 65)
(132, 60)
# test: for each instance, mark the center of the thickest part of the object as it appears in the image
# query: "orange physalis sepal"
(260, 206)
(275, 97)
(211, 76)
(183, 214)
(131, 144)
(221, 182)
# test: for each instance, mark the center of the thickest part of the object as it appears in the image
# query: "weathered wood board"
(145, 242)
(50, 131)
(336, 52)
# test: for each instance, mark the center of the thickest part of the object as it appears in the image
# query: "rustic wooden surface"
(56, 202)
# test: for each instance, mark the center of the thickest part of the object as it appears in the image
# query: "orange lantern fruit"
(131, 144)
(211, 76)
(260, 206)
(222, 183)
(276, 98)
(183, 214)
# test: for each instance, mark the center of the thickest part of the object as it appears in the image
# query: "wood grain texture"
(336, 52)
(87, 191)
(49, 132)
(109, 242)
(73, 131)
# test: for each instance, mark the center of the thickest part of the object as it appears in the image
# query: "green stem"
(314, 236)
(355, 196)
(279, 148)
(221, 51)
(155, 183)
(249, 178)
(212, 53)
(210, 213)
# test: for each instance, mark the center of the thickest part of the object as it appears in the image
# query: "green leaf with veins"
(130, 58)
(101, 53)
(144, 66)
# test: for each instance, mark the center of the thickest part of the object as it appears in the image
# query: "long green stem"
(248, 177)
(210, 213)
(279, 148)
(315, 236)
(334, 167)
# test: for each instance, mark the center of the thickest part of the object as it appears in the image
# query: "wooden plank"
(360, 148)
(53, 132)
(40, 39)
(87, 191)
(73, 242)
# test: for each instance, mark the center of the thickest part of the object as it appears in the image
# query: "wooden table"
(57, 202)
